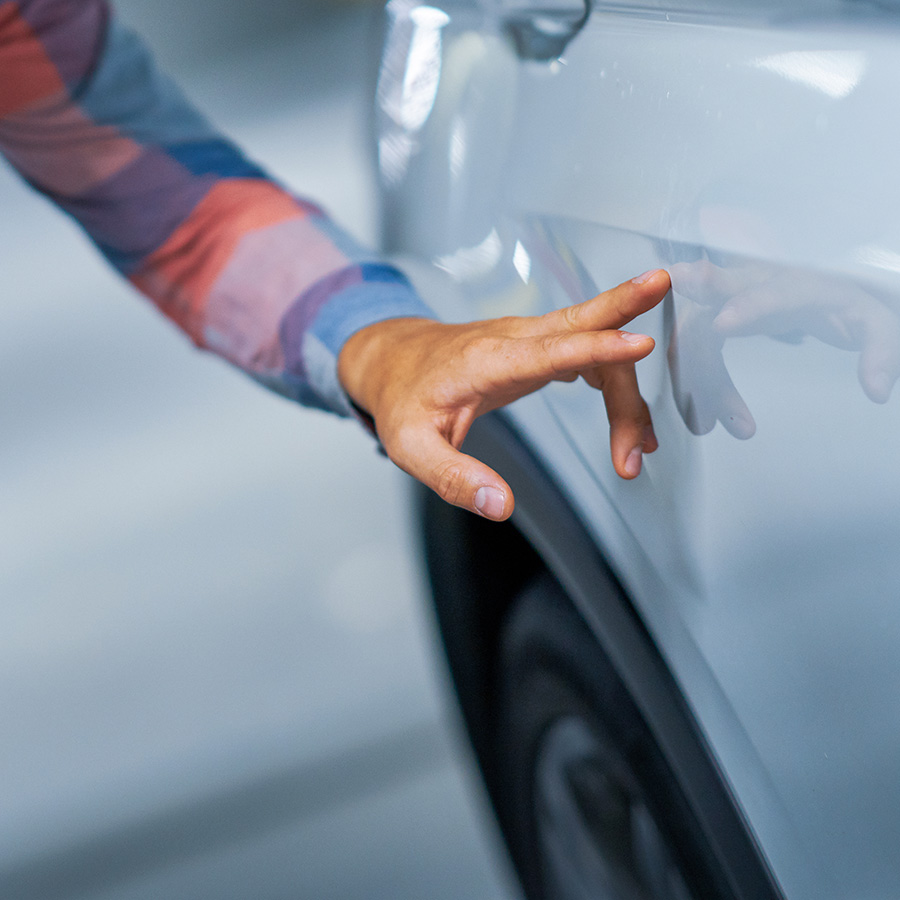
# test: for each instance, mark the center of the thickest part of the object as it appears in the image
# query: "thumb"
(459, 479)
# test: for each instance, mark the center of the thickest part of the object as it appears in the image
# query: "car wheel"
(588, 804)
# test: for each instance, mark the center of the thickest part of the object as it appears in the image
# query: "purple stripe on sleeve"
(298, 319)
(71, 32)
(133, 213)
(268, 270)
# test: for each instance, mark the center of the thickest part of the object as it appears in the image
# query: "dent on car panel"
(749, 149)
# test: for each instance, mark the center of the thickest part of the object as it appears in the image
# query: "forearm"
(244, 268)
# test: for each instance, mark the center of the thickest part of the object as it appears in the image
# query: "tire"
(587, 802)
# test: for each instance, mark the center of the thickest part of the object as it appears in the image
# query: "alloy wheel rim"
(597, 838)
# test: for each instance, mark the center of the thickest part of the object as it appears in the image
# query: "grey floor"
(217, 670)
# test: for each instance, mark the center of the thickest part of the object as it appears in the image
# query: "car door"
(550, 150)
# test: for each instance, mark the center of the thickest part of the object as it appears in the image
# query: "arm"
(244, 268)
(268, 281)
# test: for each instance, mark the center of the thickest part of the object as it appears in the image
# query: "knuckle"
(488, 352)
(549, 346)
(477, 349)
(508, 325)
(553, 348)
(597, 378)
(450, 482)
(571, 316)
(632, 411)
(483, 344)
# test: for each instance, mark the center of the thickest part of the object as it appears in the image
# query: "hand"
(424, 383)
(836, 311)
(786, 304)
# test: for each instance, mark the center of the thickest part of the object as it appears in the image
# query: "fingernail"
(633, 338)
(642, 279)
(633, 463)
(489, 502)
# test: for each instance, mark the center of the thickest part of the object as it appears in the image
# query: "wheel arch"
(478, 568)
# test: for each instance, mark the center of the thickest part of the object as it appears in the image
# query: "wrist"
(368, 354)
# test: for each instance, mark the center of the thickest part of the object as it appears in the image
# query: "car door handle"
(541, 29)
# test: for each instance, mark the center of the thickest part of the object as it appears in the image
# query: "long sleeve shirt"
(247, 270)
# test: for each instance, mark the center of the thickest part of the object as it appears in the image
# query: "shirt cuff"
(349, 310)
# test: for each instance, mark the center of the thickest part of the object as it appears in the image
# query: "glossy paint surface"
(751, 151)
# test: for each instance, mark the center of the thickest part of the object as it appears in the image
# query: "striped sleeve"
(247, 270)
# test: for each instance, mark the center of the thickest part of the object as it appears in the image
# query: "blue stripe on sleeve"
(128, 92)
(364, 303)
(214, 157)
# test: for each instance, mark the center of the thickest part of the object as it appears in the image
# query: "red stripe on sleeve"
(26, 73)
(179, 276)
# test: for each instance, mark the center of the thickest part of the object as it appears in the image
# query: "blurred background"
(218, 677)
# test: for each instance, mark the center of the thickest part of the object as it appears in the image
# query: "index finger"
(613, 308)
(529, 363)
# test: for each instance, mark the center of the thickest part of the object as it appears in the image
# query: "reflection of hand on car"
(703, 390)
(786, 304)
(837, 311)
(425, 382)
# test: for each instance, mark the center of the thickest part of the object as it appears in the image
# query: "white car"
(685, 685)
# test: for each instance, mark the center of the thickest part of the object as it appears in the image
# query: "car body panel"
(750, 151)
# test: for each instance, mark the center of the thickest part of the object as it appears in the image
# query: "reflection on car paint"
(753, 158)
(740, 298)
